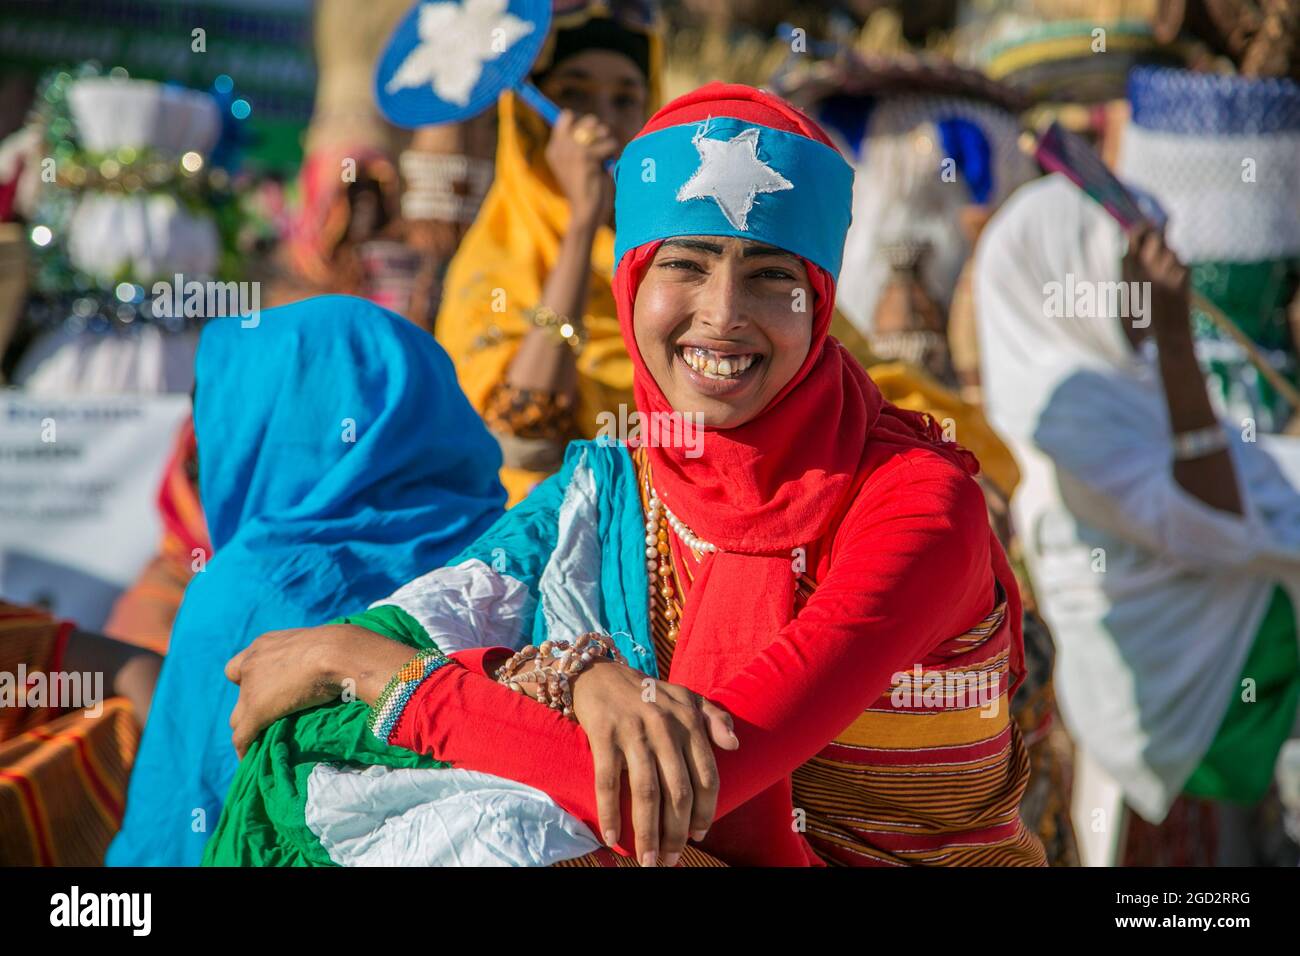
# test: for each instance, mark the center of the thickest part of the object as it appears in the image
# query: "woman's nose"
(606, 113)
(721, 305)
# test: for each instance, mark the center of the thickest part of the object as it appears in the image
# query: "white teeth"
(708, 363)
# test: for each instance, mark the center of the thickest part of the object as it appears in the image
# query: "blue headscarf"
(338, 460)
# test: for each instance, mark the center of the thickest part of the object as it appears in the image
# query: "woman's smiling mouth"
(717, 372)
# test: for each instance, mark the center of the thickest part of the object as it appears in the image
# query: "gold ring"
(583, 136)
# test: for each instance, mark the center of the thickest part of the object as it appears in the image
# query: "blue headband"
(729, 177)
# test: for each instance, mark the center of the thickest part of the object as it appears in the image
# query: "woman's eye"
(684, 264)
(579, 101)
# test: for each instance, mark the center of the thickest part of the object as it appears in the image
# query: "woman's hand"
(1150, 261)
(576, 152)
(280, 673)
(283, 672)
(660, 733)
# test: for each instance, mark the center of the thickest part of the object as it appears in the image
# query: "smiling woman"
(718, 324)
(679, 652)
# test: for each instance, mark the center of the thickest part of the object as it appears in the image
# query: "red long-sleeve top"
(911, 564)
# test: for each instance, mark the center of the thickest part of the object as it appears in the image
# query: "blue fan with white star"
(449, 60)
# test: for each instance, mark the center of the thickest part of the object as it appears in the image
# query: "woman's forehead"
(596, 66)
(718, 245)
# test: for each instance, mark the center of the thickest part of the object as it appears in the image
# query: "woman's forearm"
(543, 362)
(359, 660)
(1150, 263)
(1209, 478)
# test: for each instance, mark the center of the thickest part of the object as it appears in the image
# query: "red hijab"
(784, 479)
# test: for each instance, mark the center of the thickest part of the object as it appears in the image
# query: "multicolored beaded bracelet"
(388, 708)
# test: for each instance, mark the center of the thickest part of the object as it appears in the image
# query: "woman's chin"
(728, 418)
(716, 402)
(713, 412)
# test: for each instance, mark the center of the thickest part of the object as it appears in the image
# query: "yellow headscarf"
(499, 270)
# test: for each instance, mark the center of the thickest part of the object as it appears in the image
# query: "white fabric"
(383, 816)
(1229, 198)
(467, 606)
(143, 361)
(899, 194)
(147, 237)
(448, 817)
(1097, 812)
(731, 174)
(1150, 648)
(570, 582)
(111, 113)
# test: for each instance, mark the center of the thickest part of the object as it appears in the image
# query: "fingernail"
(610, 838)
(648, 858)
(671, 859)
(698, 835)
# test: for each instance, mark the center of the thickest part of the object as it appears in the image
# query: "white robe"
(1153, 597)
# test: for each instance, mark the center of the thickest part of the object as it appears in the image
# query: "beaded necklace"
(664, 586)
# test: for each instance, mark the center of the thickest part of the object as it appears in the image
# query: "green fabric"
(1255, 295)
(1239, 764)
(263, 820)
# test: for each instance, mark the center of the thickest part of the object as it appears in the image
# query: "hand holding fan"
(449, 60)
(1060, 151)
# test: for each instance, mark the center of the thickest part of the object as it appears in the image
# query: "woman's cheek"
(790, 339)
(658, 307)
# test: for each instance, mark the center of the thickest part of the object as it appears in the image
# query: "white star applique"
(455, 41)
(731, 174)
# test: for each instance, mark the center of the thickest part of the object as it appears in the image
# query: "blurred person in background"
(1157, 513)
(527, 313)
(380, 210)
(336, 459)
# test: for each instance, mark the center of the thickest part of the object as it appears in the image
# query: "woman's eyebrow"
(759, 249)
(578, 74)
(572, 73)
(699, 245)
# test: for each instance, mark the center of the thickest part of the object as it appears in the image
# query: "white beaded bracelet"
(1199, 442)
